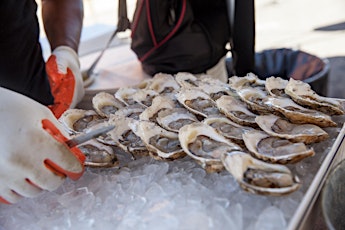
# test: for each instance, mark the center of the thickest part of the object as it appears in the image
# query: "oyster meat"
(254, 98)
(280, 127)
(275, 149)
(173, 119)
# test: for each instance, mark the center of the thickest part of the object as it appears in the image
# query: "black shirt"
(22, 67)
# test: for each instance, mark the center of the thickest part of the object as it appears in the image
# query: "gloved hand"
(65, 79)
(33, 155)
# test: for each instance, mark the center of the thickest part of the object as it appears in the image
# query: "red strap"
(55, 132)
(62, 87)
(2, 200)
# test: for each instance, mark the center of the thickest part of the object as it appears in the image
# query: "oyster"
(131, 111)
(227, 128)
(144, 96)
(162, 144)
(280, 127)
(173, 119)
(259, 177)
(302, 94)
(254, 98)
(125, 95)
(250, 80)
(106, 104)
(187, 80)
(275, 86)
(79, 120)
(125, 138)
(164, 84)
(205, 145)
(197, 101)
(98, 155)
(275, 149)
(158, 103)
(215, 88)
(236, 110)
(298, 114)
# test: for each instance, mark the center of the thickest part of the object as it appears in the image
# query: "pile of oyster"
(250, 127)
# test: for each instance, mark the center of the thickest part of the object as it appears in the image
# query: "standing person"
(33, 154)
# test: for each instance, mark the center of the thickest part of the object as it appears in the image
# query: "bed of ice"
(150, 194)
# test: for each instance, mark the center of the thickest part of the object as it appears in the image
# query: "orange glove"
(34, 156)
(65, 79)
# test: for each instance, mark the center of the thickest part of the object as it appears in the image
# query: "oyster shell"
(254, 98)
(259, 177)
(125, 95)
(228, 128)
(280, 127)
(197, 101)
(236, 110)
(98, 155)
(302, 94)
(187, 80)
(125, 138)
(274, 149)
(173, 119)
(164, 84)
(144, 96)
(162, 144)
(158, 103)
(131, 111)
(275, 86)
(201, 142)
(250, 80)
(78, 120)
(105, 104)
(298, 114)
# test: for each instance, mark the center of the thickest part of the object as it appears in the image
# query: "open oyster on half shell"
(228, 128)
(298, 114)
(205, 145)
(236, 110)
(280, 127)
(105, 104)
(275, 149)
(254, 98)
(78, 120)
(250, 80)
(98, 155)
(259, 177)
(162, 144)
(275, 86)
(197, 101)
(125, 138)
(302, 94)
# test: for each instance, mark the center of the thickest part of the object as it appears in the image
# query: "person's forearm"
(63, 20)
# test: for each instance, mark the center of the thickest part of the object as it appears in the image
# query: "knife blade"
(88, 136)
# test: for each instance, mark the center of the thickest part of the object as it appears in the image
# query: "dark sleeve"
(243, 37)
(22, 67)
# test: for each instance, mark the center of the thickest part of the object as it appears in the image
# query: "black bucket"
(286, 63)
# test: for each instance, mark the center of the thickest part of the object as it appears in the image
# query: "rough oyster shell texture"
(247, 127)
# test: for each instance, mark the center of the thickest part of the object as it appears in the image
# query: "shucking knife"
(88, 136)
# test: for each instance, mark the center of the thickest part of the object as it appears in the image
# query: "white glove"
(66, 81)
(33, 154)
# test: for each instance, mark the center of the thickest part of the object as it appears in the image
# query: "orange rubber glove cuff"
(55, 132)
(62, 87)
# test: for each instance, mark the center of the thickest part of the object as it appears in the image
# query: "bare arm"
(63, 20)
